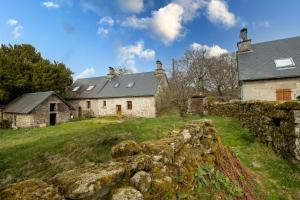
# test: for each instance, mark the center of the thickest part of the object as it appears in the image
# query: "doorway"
(79, 112)
(118, 109)
(52, 119)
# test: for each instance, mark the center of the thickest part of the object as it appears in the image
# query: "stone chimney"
(159, 68)
(245, 44)
(111, 73)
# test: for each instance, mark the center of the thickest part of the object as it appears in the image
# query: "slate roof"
(145, 84)
(259, 64)
(29, 101)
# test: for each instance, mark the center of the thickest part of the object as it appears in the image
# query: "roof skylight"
(284, 62)
(117, 85)
(75, 89)
(90, 87)
(130, 85)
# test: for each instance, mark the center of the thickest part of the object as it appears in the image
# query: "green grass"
(43, 152)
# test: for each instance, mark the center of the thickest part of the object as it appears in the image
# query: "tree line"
(198, 73)
(23, 70)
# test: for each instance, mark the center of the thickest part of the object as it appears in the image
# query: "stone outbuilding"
(269, 70)
(37, 110)
(133, 95)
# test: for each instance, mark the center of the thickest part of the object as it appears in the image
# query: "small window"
(104, 103)
(130, 85)
(129, 105)
(285, 62)
(88, 104)
(117, 85)
(52, 107)
(90, 87)
(75, 89)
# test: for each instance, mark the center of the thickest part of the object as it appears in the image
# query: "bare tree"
(223, 76)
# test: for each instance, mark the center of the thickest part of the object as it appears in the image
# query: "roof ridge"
(119, 75)
(276, 40)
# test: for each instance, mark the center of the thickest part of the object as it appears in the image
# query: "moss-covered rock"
(90, 181)
(125, 148)
(127, 193)
(142, 181)
(30, 190)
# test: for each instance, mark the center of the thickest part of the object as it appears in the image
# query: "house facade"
(269, 70)
(133, 95)
(37, 110)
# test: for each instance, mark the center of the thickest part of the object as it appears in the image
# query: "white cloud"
(217, 12)
(165, 23)
(103, 32)
(191, 8)
(50, 4)
(17, 32)
(136, 23)
(128, 54)
(133, 6)
(107, 20)
(12, 22)
(212, 51)
(86, 73)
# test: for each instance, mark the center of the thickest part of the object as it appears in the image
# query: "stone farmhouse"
(269, 70)
(127, 94)
(37, 110)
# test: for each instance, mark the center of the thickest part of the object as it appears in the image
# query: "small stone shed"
(37, 110)
(197, 104)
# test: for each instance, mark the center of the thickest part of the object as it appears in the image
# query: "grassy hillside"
(43, 152)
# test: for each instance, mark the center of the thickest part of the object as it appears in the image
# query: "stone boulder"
(29, 190)
(142, 181)
(127, 193)
(89, 181)
(125, 148)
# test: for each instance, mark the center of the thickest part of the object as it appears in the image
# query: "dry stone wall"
(138, 171)
(276, 124)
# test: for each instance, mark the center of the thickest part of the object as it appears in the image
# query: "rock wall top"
(138, 171)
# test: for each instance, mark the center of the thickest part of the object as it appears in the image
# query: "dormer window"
(90, 87)
(284, 63)
(75, 89)
(117, 85)
(130, 85)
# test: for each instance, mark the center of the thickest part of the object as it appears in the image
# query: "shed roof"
(143, 84)
(259, 63)
(29, 101)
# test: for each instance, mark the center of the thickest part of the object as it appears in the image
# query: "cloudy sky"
(91, 35)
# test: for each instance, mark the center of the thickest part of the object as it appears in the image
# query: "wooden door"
(283, 94)
(52, 119)
(79, 112)
(118, 109)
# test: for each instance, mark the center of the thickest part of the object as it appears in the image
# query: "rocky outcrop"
(276, 124)
(158, 169)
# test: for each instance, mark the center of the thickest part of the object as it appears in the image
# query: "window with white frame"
(90, 87)
(284, 63)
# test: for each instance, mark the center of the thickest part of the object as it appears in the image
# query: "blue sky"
(91, 35)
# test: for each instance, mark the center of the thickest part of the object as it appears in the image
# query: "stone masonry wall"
(266, 89)
(138, 171)
(276, 124)
(141, 106)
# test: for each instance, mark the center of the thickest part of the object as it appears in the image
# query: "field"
(43, 152)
